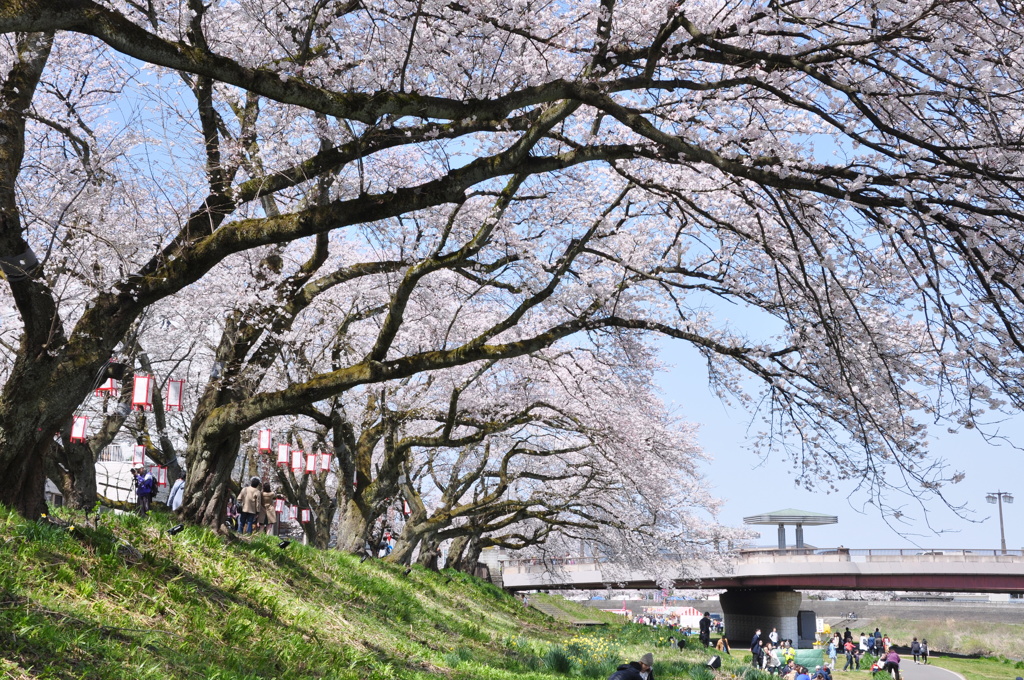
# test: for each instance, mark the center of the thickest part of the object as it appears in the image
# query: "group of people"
(777, 656)
(878, 645)
(253, 510)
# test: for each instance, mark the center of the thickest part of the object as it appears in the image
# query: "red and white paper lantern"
(293, 512)
(138, 455)
(279, 505)
(310, 463)
(161, 475)
(78, 426)
(175, 394)
(265, 442)
(283, 453)
(325, 461)
(142, 393)
(305, 515)
(109, 387)
(297, 460)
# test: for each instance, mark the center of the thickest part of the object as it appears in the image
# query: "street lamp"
(1000, 497)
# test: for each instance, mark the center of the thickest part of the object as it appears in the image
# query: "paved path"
(911, 671)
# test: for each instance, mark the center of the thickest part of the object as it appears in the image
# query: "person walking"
(924, 651)
(852, 655)
(250, 501)
(145, 488)
(915, 649)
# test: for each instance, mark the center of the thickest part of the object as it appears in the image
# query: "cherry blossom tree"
(539, 171)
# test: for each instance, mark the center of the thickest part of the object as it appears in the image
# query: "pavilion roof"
(792, 516)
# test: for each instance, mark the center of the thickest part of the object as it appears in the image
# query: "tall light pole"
(999, 497)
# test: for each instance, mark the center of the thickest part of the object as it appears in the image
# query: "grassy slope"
(125, 600)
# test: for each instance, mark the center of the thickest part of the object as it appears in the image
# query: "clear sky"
(749, 485)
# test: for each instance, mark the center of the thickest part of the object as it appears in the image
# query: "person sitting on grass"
(635, 670)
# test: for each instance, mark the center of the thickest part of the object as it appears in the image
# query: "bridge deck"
(961, 570)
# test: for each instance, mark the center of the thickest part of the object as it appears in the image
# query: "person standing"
(832, 651)
(250, 500)
(177, 493)
(145, 488)
(756, 650)
(850, 651)
(705, 630)
(773, 637)
(268, 515)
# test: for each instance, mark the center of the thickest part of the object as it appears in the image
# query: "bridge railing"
(866, 554)
(840, 554)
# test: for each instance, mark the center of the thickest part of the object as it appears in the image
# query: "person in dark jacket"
(705, 630)
(635, 670)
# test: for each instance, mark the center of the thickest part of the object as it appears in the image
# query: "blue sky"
(750, 486)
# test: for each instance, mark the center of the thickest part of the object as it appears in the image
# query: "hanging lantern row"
(142, 392)
(311, 463)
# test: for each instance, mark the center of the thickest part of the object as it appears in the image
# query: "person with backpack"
(924, 651)
(915, 649)
(145, 488)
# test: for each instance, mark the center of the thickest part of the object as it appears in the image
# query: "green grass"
(128, 602)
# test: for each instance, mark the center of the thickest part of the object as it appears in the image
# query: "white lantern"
(265, 444)
(283, 452)
(138, 455)
(142, 393)
(325, 461)
(297, 460)
(175, 393)
(78, 426)
(310, 463)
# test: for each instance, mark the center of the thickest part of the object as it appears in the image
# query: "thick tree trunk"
(72, 467)
(353, 523)
(208, 485)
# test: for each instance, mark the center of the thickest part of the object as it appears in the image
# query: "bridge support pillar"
(746, 610)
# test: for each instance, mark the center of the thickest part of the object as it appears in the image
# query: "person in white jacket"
(177, 493)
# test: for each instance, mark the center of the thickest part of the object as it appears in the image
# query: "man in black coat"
(635, 670)
(705, 630)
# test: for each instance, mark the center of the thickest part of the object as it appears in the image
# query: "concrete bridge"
(761, 585)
